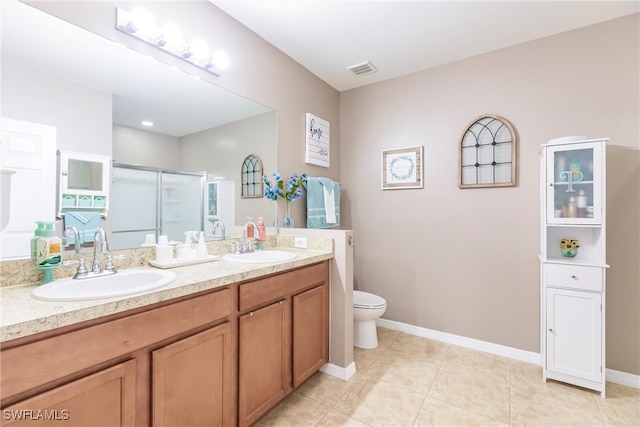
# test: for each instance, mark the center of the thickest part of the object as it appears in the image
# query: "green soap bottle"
(36, 235)
(48, 246)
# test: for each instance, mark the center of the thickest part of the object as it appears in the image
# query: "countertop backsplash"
(23, 271)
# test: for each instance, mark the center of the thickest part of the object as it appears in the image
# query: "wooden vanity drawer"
(40, 362)
(272, 288)
(574, 277)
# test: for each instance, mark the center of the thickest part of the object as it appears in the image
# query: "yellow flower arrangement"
(569, 244)
(569, 247)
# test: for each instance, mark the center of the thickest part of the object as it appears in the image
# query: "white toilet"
(366, 309)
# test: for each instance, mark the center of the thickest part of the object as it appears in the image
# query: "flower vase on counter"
(287, 222)
(292, 191)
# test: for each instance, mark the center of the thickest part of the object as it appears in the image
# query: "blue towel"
(86, 222)
(316, 213)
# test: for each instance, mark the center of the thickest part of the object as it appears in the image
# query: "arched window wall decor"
(487, 154)
(251, 177)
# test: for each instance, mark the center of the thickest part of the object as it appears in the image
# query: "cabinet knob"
(551, 184)
(573, 276)
(550, 330)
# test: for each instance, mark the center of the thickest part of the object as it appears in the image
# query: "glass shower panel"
(182, 204)
(134, 207)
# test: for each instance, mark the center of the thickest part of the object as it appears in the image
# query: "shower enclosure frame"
(158, 230)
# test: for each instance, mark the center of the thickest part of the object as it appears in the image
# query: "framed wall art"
(318, 141)
(402, 168)
(487, 154)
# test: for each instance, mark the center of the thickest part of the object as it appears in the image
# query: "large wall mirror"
(57, 73)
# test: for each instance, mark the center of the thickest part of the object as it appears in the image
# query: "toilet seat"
(368, 301)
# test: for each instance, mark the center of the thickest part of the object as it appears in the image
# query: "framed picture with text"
(317, 141)
(402, 168)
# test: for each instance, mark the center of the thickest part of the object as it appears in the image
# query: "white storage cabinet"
(573, 281)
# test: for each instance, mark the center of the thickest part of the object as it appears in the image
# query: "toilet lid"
(366, 300)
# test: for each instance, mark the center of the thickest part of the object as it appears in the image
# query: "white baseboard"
(623, 378)
(613, 376)
(338, 372)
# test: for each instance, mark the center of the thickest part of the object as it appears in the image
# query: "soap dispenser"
(202, 246)
(262, 230)
(249, 228)
(187, 250)
(36, 235)
(48, 246)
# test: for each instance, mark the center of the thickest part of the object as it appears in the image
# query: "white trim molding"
(617, 377)
(339, 372)
(623, 378)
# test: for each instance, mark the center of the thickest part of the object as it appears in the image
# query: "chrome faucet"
(76, 235)
(247, 244)
(219, 224)
(101, 246)
(82, 268)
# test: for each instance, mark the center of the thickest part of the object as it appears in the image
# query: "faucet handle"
(248, 247)
(109, 266)
(82, 268)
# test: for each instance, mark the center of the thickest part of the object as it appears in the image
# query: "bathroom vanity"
(223, 353)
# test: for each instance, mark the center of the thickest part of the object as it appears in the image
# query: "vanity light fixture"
(141, 25)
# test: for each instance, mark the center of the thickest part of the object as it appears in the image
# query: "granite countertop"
(22, 315)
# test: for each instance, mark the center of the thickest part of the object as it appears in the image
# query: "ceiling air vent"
(362, 68)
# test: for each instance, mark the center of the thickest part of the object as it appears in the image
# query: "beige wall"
(465, 261)
(80, 114)
(221, 151)
(141, 147)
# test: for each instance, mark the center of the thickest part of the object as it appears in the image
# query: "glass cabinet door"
(574, 184)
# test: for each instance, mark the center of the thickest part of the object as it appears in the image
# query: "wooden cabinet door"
(310, 333)
(106, 398)
(264, 360)
(574, 333)
(192, 380)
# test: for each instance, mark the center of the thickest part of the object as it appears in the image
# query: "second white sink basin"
(261, 256)
(124, 282)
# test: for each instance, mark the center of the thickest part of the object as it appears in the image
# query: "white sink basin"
(124, 282)
(261, 256)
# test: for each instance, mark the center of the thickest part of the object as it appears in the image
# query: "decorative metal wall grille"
(252, 177)
(488, 154)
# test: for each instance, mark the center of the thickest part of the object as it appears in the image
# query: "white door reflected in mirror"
(30, 149)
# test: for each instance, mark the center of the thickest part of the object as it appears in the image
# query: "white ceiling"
(401, 37)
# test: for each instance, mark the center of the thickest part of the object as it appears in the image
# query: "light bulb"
(143, 21)
(172, 35)
(198, 48)
(220, 59)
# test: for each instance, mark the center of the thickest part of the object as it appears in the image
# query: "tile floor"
(413, 381)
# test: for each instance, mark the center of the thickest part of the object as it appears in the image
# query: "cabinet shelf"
(560, 183)
(571, 223)
(570, 261)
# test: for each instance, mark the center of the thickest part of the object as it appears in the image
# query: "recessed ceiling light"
(147, 123)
